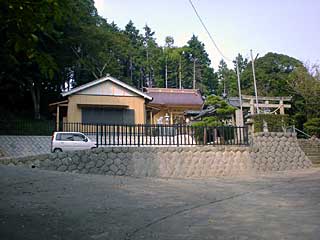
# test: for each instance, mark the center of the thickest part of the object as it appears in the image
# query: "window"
(107, 115)
(64, 137)
(79, 137)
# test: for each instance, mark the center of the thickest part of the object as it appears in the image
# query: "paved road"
(41, 205)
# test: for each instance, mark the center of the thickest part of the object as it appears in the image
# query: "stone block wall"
(177, 162)
(19, 146)
(277, 152)
(269, 152)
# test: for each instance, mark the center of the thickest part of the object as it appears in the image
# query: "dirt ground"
(39, 205)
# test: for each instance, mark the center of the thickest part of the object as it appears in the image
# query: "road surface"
(39, 205)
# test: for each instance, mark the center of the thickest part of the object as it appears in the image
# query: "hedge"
(312, 126)
(275, 122)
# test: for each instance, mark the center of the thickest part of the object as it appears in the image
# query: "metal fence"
(165, 135)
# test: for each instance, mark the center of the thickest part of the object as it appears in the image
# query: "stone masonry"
(18, 146)
(183, 162)
(270, 152)
(277, 152)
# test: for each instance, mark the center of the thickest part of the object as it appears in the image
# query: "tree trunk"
(35, 94)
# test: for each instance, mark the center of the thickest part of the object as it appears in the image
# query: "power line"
(223, 56)
(209, 34)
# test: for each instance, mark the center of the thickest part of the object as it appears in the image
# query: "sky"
(290, 27)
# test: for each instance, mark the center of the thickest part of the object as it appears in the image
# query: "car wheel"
(57, 150)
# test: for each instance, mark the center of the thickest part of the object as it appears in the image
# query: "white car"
(70, 141)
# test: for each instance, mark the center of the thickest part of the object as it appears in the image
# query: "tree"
(222, 112)
(198, 60)
(272, 72)
(150, 47)
(136, 59)
(312, 127)
(227, 80)
(242, 63)
(169, 42)
(305, 89)
(32, 37)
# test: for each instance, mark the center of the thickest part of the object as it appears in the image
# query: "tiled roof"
(234, 101)
(174, 96)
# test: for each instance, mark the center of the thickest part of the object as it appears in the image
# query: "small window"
(66, 137)
(78, 137)
(58, 137)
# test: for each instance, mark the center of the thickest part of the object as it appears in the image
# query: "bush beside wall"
(275, 122)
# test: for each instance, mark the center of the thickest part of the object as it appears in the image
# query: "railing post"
(138, 135)
(177, 135)
(97, 135)
(246, 135)
(205, 135)
(101, 133)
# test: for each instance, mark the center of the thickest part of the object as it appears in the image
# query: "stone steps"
(311, 148)
(314, 159)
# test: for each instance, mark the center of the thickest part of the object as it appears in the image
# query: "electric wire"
(221, 53)
(209, 34)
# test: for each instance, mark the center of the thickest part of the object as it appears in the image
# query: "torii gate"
(276, 103)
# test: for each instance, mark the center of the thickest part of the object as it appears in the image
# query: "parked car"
(70, 141)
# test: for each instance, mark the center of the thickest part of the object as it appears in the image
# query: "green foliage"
(33, 40)
(312, 127)
(54, 45)
(27, 127)
(227, 79)
(209, 122)
(272, 72)
(306, 90)
(223, 111)
(274, 122)
(242, 63)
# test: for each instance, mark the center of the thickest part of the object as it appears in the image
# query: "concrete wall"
(77, 100)
(270, 152)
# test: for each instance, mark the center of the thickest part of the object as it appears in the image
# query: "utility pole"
(254, 82)
(131, 77)
(239, 86)
(166, 72)
(148, 68)
(194, 73)
(180, 81)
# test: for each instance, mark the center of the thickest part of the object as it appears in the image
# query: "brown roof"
(174, 96)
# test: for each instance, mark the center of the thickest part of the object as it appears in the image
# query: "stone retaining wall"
(270, 152)
(18, 146)
(182, 162)
(277, 152)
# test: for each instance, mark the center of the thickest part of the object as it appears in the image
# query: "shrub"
(275, 122)
(312, 126)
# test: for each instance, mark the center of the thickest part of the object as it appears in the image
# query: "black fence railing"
(149, 135)
(27, 127)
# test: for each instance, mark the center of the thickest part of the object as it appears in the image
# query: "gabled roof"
(101, 80)
(174, 96)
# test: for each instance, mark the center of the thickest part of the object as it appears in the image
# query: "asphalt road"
(39, 205)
